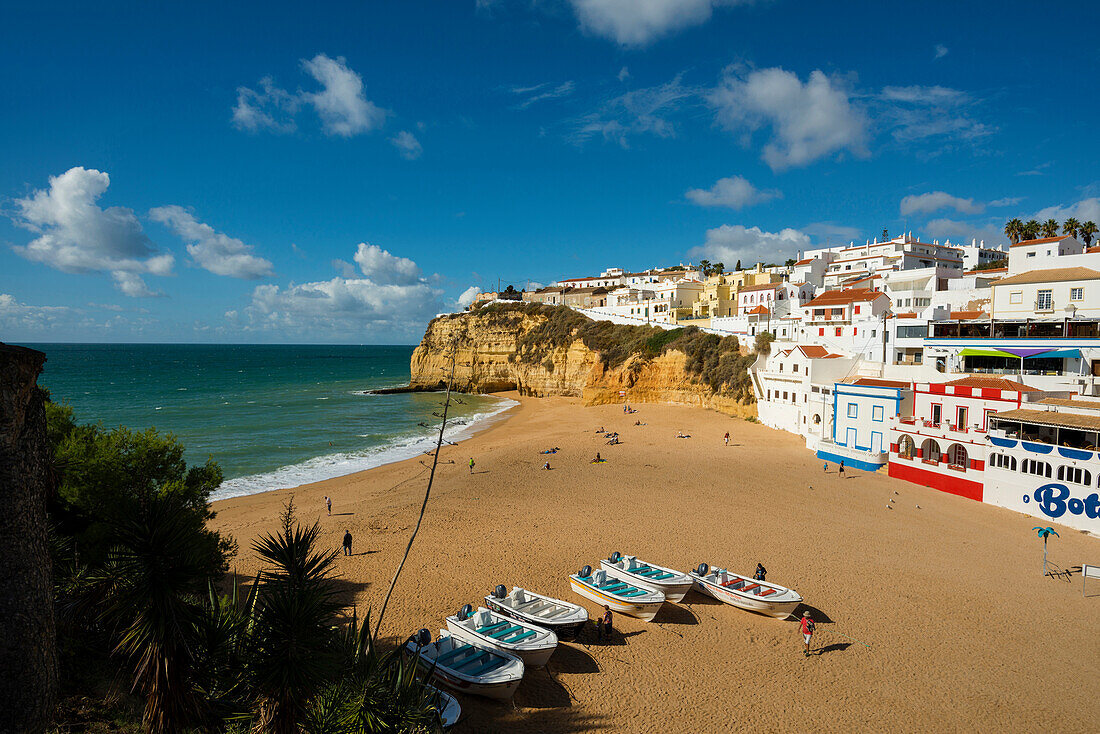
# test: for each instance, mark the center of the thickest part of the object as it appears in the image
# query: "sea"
(272, 416)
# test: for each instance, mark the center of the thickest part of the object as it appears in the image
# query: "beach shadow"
(819, 616)
(675, 614)
(341, 514)
(540, 690)
(572, 659)
(834, 647)
(698, 597)
(364, 553)
(617, 639)
(483, 471)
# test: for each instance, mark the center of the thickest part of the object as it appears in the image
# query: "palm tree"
(1044, 533)
(1050, 228)
(1032, 229)
(1070, 227)
(704, 266)
(1087, 230)
(1014, 230)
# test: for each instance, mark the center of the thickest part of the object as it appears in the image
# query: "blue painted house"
(864, 410)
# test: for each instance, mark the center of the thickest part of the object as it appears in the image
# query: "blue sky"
(342, 173)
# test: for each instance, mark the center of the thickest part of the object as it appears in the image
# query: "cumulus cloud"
(407, 145)
(382, 267)
(75, 235)
(730, 243)
(638, 22)
(467, 296)
(641, 111)
(1006, 201)
(734, 192)
(1086, 210)
(340, 103)
(211, 250)
(808, 120)
(940, 51)
(936, 200)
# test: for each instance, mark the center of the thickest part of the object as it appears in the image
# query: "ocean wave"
(341, 464)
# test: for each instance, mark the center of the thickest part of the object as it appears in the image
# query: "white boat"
(563, 618)
(741, 591)
(530, 643)
(449, 710)
(472, 669)
(673, 584)
(619, 595)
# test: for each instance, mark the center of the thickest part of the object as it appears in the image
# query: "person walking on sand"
(727, 438)
(347, 542)
(471, 465)
(842, 468)
(607, 621)
(825, 467)
(807, 627)
(328, 505)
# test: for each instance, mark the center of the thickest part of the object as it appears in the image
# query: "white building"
(1053, 293)
(864, 411)
(1049, 252)
(793, 388)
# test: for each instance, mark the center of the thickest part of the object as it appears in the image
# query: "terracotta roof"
(992, 383)
(1094, 248)
(852, 295)
(905, 315)
(1053, 275)
(1052, 418)
(875, 382)
(762, 287)
(1041, 241)
(758, 311)
(814, 351)
(968, 315)
(807, 261)
(1072, 403)
(986, 270)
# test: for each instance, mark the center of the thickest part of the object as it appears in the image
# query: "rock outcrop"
(490, 357)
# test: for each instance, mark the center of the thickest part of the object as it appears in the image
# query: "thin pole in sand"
(453, 357)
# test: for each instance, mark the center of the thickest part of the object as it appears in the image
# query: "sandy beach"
(930, 619)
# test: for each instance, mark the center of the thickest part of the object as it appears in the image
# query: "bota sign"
(1055, 500)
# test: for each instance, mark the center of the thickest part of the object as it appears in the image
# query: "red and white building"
(943, 444)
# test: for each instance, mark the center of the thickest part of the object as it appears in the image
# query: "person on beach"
(825, 467)
(842, 468)
(471, 465)
(597, 460)
(761, 572)
(546, 465)
(607, 621)
(807, 627)
(347, 542)
(328, 505)
(727, 438)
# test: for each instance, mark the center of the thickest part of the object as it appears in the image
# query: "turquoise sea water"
(271, 416)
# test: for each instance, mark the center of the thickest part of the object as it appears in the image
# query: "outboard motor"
(616, 557)
(586, 572)
(703, 569)
(423, 638)
(500, 592)
(465, 612)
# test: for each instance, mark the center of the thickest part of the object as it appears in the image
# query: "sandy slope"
(963, 632)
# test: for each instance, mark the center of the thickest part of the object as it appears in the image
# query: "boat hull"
(502, 688)
(564, 631)
(644, 611)
(777, 609)
(537, 657)
(449, 708)
(674, 592)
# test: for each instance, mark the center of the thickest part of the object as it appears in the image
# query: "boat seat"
(558, 613)
(472, 662)
(767, 592)
(521, 638)
(749, 587)
(493, 664)
(501, 633)
(633, 592)
(526, 604)
(491, 627)
(614, 587)
(454, 653)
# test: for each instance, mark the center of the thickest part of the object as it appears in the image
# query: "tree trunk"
(28, 644)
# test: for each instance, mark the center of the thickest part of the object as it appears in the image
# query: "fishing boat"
(472, 669)
(673, 584)
(560, 617)
(741, 591)
(530, 643)
(449, 710)
(614, 592)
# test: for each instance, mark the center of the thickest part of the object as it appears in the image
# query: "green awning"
(968, 352)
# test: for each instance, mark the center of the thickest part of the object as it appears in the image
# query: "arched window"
(1074, 475)
(817, 419)
(905, 447)
(957, 455)
(930, 450)
(1038, 468)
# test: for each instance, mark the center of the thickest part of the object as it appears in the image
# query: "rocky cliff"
(542, 351)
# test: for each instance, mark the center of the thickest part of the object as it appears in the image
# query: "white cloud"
(940, 51)
(920, 113)
(407, 145)
(341, 103)
(1086, 210)
(16, 315)
(1006, 201)
(344, 268)
(541, 92)
(735, 192)
(936, 200)
(640, 111)
(212, 250)
(808, 121)
(831, 233)
(382, 267)
(270, 109)
(467, 296)
(638, 22)
(964, 232)
(730, 243)
(133, 285)
(624, 74)
(77, 236)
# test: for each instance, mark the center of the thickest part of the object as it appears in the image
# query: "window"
(1076, 294)
(876, 413)
(794, 369)
(780, 366)
(988, 413)
(821, 331)
(857, 309)
(1031, 254)
(839, 331)
(853, 410)
(937, 414)
(873, 332)
(1038, 468)
(960, 418)
(784, 394)
(1003, 462)
(1074, 475)
(1016, 297)
(905, 447)
(1044, 300)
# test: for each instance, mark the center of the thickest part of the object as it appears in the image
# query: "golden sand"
(930, 619)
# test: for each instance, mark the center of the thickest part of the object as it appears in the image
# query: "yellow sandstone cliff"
(490, 358)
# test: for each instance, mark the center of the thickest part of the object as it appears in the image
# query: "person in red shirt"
(807, 627)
